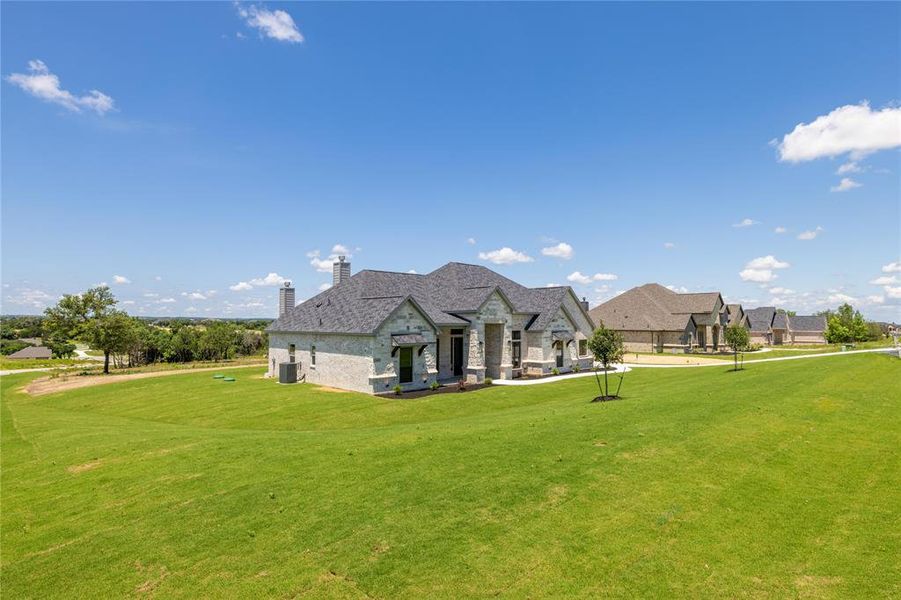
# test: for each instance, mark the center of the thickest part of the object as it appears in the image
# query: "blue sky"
(228, 142)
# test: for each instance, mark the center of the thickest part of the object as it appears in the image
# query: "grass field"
(780, 481)
(38, 363)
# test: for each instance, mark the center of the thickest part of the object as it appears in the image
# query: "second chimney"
(584, 303)
(285, 299)
(340, 271)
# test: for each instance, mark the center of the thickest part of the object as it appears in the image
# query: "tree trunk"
(606, 387)
(106, 363)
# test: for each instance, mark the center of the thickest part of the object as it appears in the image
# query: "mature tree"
(111, 333)
(607, 347)
(218, 341)
(60, 349)
(738, 338)
(845, 325)
(81, 316)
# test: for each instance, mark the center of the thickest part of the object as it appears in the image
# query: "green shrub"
(434, 386)
(488, 381)
(576, 367)
(555, 371)
(398, 390)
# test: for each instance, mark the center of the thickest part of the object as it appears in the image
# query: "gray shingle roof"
(32, 352)
(780, 321)
(363, 302)
(761, 319)
(652, 307)
(807, 323)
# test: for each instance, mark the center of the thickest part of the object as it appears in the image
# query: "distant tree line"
(126, 341)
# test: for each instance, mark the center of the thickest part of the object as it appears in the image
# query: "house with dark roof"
(653, 318)
(32, 352)
(377, 329)
(769, 326)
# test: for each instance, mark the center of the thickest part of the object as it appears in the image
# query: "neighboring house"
(377, 329)
(652, 318)
(760, 322)
(771, 327)
(32, 352)
(732, 315)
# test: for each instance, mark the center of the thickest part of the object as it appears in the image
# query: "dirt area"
(444, 389)
(670, 359)
(51, 385)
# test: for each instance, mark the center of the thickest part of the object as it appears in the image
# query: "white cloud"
(760, 270)
(241, 286)
(839, 298)
(885, 280)
(191, 309)
(561, 250)
(577, 277)
(505, 256)
(669, 245)
(848, 167)
(780, 230)
(810, 234)
(853, 129)
(158, 278)
(151, 295)
(29, 297)
(471, 241)
(746, 222)
(892, 267)
(893, 291)
(680, 289)
(166, 300)
(324, 286)
(193, 295)
(128, 302)
(271, 279)
(844, 185)
(412, 272)
(876, 299)
(275, 24)
(43, 84)
(781, 291)
(767, 262)
(121, 279)
(324, 265)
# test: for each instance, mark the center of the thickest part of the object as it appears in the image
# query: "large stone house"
(769, 326)
(377, 329)
(653, 318)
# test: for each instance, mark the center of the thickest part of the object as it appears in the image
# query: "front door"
(405, 360)
(559, 350)
(457, 355)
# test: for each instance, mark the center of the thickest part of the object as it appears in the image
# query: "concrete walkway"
(763, 360)
(626, 367)
(552, 379)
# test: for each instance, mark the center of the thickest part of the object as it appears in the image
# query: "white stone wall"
(385, 375)
(342, 361)
(495, 311)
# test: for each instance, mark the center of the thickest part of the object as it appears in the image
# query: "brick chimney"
(584, 303)
(285, 299)
(340, 270)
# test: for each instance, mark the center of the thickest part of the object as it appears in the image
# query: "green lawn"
(35, 363)
(780, 481)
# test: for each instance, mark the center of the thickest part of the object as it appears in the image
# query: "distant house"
(771, 327)
(32, 352)
(653, 318)
(377, 329)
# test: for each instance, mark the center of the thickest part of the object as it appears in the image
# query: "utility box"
(287, 372)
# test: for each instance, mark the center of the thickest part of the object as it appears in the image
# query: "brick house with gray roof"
(769, 326)
(377, 329)
(653, 318)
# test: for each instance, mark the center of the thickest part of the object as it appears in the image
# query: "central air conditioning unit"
(287, 372)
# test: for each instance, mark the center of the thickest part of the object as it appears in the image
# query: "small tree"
(607, 347)
(737, 338)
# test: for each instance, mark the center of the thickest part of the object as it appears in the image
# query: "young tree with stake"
(607, 347)
(738, 338)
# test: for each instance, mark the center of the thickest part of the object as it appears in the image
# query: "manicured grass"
(8, 364)
(779, 481)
